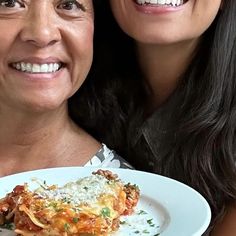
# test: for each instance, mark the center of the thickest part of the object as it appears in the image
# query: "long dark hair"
(113, 99)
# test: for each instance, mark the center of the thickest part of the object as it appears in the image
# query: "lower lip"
(38, 76)
(157, 9)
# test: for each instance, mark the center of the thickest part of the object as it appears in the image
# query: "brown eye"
(10, 4)
(71, 5)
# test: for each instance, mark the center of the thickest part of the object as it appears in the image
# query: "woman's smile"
(38, 68)
(161, 3)
(159, 6)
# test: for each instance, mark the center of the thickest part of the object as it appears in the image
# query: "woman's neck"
(162, 66)
(27, 128)
(42, 140)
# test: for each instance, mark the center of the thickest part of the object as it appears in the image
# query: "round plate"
(166, 207)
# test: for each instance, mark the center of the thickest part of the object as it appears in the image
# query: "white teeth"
(174, 2)
(44, 68)
(18, 66)
(36, 68)
(28, 67)
(161, 2)
(153, 1)
(141, 2)
(23, 66)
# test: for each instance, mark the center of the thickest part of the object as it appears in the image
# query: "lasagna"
(89, 206)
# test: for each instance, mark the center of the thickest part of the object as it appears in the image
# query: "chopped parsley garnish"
(142, 212)
(150, 222)
(66, 200)
(9, 226)
(122, 222)
(105, 212)
(66, 227)
(75, 219)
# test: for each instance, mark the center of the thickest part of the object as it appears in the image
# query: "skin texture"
(34, 106)
(168, 40)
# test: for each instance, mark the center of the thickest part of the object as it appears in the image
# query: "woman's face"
(45, 52)
(164, 23)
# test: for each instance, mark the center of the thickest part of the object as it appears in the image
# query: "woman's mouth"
(161, 3)
(37, 68)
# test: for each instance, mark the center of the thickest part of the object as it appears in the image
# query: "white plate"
(168, 206)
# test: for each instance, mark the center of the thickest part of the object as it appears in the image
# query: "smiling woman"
(45, 55)
(168, 67)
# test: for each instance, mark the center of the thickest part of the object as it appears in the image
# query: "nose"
(40, 29)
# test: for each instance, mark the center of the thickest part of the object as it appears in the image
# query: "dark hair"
(103, 104)
(113, 99)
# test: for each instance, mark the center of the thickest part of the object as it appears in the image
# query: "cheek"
(81, 44)
(7, 37)
(81, 50)
(204, 14)
(9, 30)
(86, 40)
(83, 53)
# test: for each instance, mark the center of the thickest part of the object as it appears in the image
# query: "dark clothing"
(155, 139)
(152, 146)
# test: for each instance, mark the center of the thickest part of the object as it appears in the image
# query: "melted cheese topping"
(84, 191)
